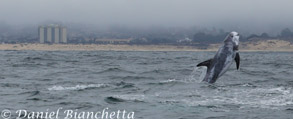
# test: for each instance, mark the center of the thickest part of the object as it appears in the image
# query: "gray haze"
(250, 15)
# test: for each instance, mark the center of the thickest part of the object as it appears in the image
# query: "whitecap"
(130, 97)
(77, 87)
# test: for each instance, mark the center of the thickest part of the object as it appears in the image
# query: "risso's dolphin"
(218, 65)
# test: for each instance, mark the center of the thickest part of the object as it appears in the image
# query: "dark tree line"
(165, 36)
(204, 38)
(285, 34)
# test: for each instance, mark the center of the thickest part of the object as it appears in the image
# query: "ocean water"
(153, 85)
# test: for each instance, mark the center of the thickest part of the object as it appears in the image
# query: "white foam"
(259, 97)
(169, 81)
(196, 75)
(77, 87)
(130, 97)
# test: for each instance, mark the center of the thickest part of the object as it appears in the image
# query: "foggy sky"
(234, 14)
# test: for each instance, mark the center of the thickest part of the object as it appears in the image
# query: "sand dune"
(268, 45)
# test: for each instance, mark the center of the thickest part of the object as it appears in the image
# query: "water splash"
(196, 75)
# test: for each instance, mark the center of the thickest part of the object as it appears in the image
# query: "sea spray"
(196, 75)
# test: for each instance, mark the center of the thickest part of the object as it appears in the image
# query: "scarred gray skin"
(223, 59)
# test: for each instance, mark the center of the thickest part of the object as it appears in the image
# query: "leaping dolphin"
(218, 65)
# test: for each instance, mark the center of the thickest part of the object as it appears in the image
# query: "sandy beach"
(269, 45)
(96, 47)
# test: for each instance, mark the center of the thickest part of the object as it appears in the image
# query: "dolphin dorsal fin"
(206, 63)
(237, 60)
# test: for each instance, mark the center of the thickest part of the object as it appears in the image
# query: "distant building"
(48, 34)
(185, 40)
(41, 34)
(52, 34)
(63, 35)
(56, 34)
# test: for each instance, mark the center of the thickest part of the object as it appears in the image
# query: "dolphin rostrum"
(218, 65)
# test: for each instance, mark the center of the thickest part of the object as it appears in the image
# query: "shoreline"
(110, 47)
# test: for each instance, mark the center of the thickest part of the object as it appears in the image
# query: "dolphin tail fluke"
(206, 63)
(237, 59)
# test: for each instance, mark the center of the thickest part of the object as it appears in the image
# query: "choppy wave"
(123, 98)
(77, 87)
(165, 84)
(271, 98)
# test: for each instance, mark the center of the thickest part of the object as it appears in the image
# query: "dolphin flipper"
(237, 59)
(205, 63)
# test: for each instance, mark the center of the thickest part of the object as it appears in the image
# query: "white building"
(52, 34)
(63, 35)
(41, 33)
(56, 34)
(48, 34)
